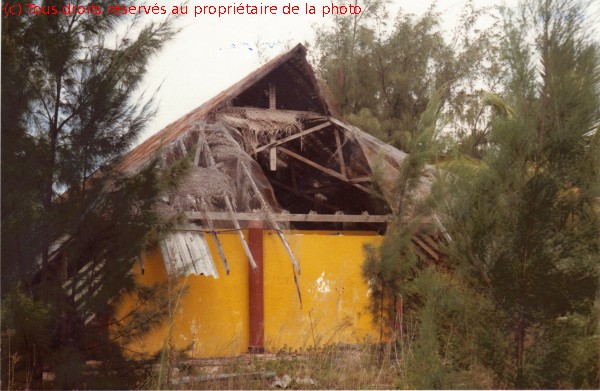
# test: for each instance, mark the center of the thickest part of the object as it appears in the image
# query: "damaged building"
(278, 204)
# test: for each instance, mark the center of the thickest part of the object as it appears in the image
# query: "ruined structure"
(277, 177)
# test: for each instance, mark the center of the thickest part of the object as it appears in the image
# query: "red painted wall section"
(256, 343)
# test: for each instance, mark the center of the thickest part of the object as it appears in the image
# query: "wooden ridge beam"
(309, 115)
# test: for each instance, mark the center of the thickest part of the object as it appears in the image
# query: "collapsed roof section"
(275, 131)
(293, 63)
(272, 144)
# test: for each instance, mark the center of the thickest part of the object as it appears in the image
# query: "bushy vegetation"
(508, 116)
(514, 303)
(73, 225)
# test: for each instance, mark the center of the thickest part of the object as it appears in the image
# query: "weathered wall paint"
(213, 316)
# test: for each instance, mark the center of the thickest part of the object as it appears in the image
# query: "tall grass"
(168, 353)
(332, 367)
(389, 365)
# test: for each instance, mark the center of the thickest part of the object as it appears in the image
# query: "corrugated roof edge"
(150, 148)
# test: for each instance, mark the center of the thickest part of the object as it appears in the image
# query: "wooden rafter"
(432, 243)
(273, 222)
(292, 137)
(327, 171)
(342, 124)
(423, 256)
(272, 97)
(272, 106)
(340, 154)
(213, 232)
(426, 247)
(236, 224)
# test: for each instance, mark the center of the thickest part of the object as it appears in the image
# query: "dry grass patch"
(333, 367)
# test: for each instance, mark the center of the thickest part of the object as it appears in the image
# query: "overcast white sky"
(212, 53)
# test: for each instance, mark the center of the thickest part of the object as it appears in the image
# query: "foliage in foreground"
(383, 74)
(517, 296)
(73, 225)
(525, 222)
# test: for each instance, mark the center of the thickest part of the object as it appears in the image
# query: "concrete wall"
(213, 315)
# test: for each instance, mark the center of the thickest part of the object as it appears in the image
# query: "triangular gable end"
(291, 75)
(291, 80)
(301, 155)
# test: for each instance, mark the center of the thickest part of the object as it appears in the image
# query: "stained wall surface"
(212, 318)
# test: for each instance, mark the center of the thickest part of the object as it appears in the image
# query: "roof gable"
(289, 153)
(291, 74)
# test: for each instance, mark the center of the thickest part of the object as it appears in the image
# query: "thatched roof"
(291, 65)
(268, 145)
(300, 154)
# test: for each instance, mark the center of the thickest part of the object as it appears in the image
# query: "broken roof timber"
(328, 171)
(149, 149)
(293, 137)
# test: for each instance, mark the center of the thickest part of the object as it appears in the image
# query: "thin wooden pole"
(340, 153)
(271, 219)
(236, 224)
(296, 267)
(211, 227)
(205, 210)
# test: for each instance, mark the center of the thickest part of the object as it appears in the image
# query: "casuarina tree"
(525, 220)
(73, 223)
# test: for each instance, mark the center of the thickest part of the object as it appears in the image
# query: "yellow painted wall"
(213, 314)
